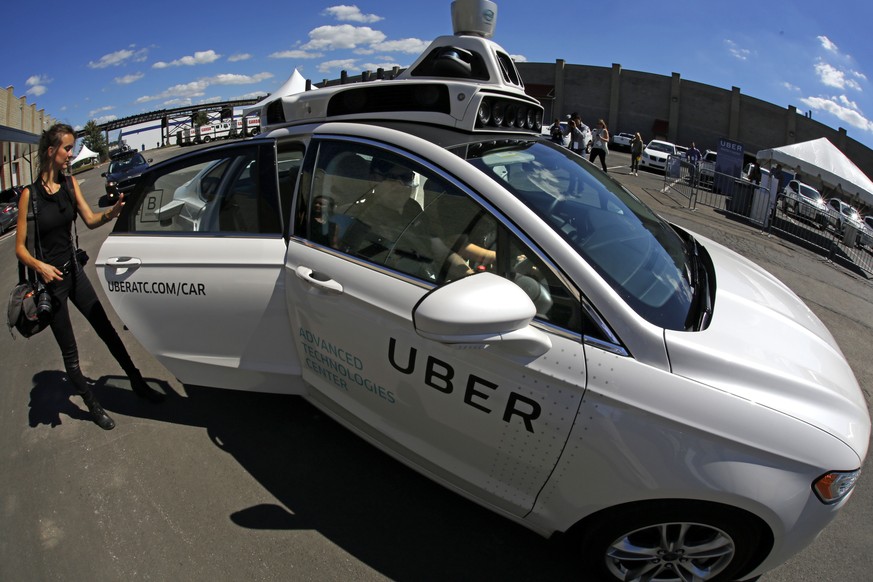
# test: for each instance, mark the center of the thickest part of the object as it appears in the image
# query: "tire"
(627, 543)
(207, 139)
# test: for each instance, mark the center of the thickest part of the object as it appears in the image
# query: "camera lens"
(43, 303)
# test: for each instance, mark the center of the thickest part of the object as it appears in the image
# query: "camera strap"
(33, 241)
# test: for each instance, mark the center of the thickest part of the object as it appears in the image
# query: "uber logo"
(440, 376)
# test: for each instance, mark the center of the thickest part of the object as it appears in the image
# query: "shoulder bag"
(29, 310)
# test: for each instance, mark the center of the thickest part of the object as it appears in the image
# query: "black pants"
(598, 153)
(77, 289)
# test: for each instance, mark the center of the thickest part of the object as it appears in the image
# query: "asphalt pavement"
(225, 485)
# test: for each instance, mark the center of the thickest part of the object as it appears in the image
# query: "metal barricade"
(837, 240)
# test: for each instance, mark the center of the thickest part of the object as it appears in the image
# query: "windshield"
(662, 147)
(808, 192)
(633, 249)
(126, 164)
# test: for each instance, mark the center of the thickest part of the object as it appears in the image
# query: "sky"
(107, 60)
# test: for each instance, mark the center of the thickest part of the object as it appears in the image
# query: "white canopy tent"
(84, 154)
(296, 83)
(820, 158)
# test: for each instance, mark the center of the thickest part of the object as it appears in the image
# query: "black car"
(122, 166)
(9, 208)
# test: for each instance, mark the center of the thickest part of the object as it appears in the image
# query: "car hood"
(765, 345)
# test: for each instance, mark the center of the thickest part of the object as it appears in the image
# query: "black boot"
(99, 415)
(142, 389)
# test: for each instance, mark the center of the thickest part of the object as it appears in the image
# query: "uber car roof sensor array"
(465, 81)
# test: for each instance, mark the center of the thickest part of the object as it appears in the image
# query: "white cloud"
(737, 52)
(841, 108)
(100, 110)
(296, 54)
(413, 46)
(344, 36)
(239, 57)
(345, 64)
(232, 79)
(36, 85)
(105, 119)
(198, 88)
(385, 65)
(252, 95)
(199, 58)
(351, 14)
(128, 79)
(518, 58)
(833, 77)
(827, 44)
(119, 58)
(790, 87)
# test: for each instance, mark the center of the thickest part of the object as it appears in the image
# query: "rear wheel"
(671, 542)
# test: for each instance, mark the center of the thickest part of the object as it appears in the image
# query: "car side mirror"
(481, 311)
(108, 200)
(103, 174)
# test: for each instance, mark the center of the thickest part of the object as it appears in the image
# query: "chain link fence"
(792, 217)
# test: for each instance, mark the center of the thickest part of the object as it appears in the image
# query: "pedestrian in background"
(636, 153)
(556, 132)
(577, 138)
(57, 202)
(693, 154)
(600, 147)
(584, 143)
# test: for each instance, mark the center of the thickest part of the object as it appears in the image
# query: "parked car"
(805, 202)
(510, 322)
(622, 140)
(655, 154)
(9, 208)
(747, 169)
(706, 168)
(865, 238)
(123, 165)
(840, 214)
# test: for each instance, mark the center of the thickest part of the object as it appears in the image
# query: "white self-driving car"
(414, 259)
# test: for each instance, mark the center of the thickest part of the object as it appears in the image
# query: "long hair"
(51, 138)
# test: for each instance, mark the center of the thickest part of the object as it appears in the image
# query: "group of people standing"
(577, 131)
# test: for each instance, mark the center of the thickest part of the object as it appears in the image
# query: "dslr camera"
(43, 302)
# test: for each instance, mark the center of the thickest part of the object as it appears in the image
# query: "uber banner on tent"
(728, 164)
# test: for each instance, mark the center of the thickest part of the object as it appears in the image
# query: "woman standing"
(601, 144)
(58, 201)
(636, 154)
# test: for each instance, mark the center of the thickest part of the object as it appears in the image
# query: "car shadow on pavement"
(324, 478)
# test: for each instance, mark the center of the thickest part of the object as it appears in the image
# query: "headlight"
(834, 486)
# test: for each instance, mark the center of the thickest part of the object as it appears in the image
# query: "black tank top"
(55, 213)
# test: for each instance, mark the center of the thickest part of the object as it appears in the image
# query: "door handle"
(123, 262)
(319, 280)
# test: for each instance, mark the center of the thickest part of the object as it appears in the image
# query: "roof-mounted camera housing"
(465, 81)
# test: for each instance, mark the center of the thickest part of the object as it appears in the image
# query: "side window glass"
(225, 192)
(390, 211)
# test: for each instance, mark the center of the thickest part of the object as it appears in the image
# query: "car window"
(636, 252)
(385, 209)
(222, 191)
(809, 192)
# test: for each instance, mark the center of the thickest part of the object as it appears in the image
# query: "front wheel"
(672, 542)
